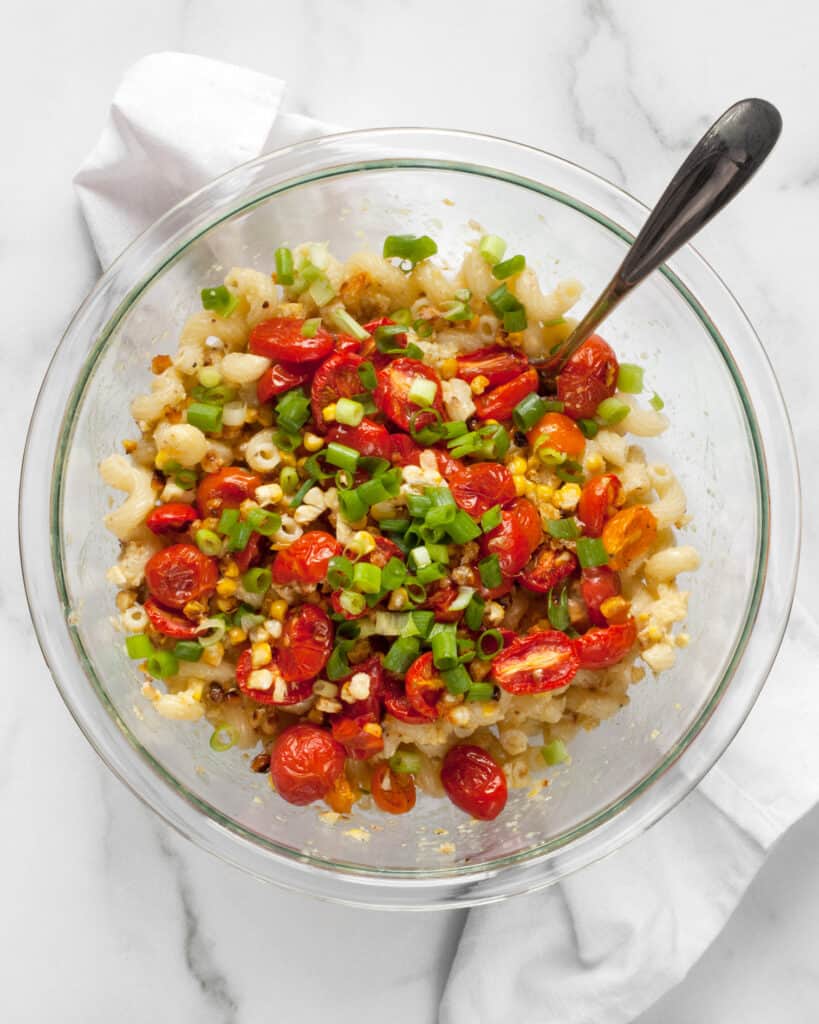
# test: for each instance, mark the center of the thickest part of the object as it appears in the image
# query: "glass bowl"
(729, 443)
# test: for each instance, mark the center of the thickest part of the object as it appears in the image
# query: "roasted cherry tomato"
(601, 648)
(424, 686)
(535, 663)
(369, 349)
(384, 550)
(498, 365)
(548, 569)
(628, 534)
(281, 338)
(360, 738)
(368, 438)
(589, 376)
(440, 602)
(478, 487)
(179, 574)
(597, 585)
(392, 393)
(280, 692)
(305, 645)
(368, 709)
(170, 518)
(405, 452)
(281, 377)
(474, 781)
(227, 488)
(169, 623)
(599, 500)
(498, 403)
(306, 560)
(337, 377)
(305, 763)
(393, 792)
(516, 538)
(397, 703)
(559, 433)
(340, 797)
(250, 554)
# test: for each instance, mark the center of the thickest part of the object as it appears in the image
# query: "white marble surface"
(108, 915)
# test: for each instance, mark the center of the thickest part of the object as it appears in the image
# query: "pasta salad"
(366, 539)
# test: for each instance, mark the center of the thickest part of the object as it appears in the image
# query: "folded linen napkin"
(606, 943)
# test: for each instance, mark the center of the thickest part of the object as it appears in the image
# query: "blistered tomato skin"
(179, 574)
(517, 536)
(306, 560)
(589, 376)
(478, 487)
(474, 781)
(393, 792)
(227, 488)
(560, 433)
(305, 645)
(368, 438)
(337, 377)
(392, 392)
(499, 403)
(358, 741)
(170, 518)
(602, 648)
(425, 687)
(628, 534)
(598, 584)
(280, 338)
(169, 623)
(305, 763)
(498, 365)
(397, 703)
(541, 661)
(281, 377)
(599, 500)
(548, 569)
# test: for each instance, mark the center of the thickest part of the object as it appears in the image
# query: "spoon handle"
(720, 164)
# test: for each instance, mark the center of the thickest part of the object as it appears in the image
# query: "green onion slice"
(409, 249)
(591, 552)
(219, 300)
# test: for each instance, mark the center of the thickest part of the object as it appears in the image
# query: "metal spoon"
(721, 163)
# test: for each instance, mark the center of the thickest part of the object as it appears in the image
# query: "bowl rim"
(474, 884)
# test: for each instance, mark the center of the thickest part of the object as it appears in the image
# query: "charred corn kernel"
(163, 457)
(193, 609)
(231, 570)
(615, 609)
(531, 491)
(213, 655)
(328, 705)
(516, 465)
(287, 458)
(398, 600)
(544, 493)
(312, 442)
(448, 368)
(324, 688)
(129, 446)
(459, 716)
(328, 413)
(226, 587)
(655, 635)
(373, 728)
(248, 505)
(278, 609)
(479, 384)
(682, 639)
(125, 599)
(261, 654)
(269, 494)
(520, 484)
(236, 635)
(362, 543)
(226, 604)
(273, 628)
(594, 462)
(567, 497)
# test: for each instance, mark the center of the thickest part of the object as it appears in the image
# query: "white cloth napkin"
(606, 943)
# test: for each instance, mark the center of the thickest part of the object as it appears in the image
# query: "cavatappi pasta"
(365, 536)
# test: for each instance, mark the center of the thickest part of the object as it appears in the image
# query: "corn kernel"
(655, 635)
(520, 485)
(129, 446)
(226, 587)
(544, 493)
(287, 458)
(373, 728)
(273, 628)
(479, 384)
(328, 413)
(248, 505)
(213, 654)
(594, 462)
(517, 465)
(231, 570)
(362, 542)
(269, 494)
(398, 599)
(193, 609)
(278, 609)
(313, 442)
(163, 457)
(615, 609)
(236, 635)
(448, 368)
(682, 640)
(261, 654)
(251, 414)
(567, 497)
(226, 604)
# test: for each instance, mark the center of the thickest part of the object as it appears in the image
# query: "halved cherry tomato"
(628, 534)
(392, 392)
(281, 377)
(281, 338)
(337, 377)
(517, 536)
(597, 585)
(498, 365)
(541, 661)
(548, 569)
(305, 645)
(474, 781)
(368, 709)
(601, 648)
(397, 703)
(359, 741)
(440, 601)
(284, 694)
(306, 560)
(383, 551)
(305, 763)
(600, 498)
(176, 515)
(405, 452)
(393, 792)
(368, 438)
(226, 488)
(169, 623)
(250, 554)
(498, 403)
(589, 376)
(424, 686)
(478, 487)
(557, 431)
(179, 574)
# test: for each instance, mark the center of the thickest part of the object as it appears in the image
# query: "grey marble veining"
(108, 915)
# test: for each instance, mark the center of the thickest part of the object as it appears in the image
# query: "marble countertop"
(108, 915)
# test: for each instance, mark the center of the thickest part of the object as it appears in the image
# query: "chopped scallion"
(342, 319)
(612, 410)
(256, 581)
(207, 418)
(457, 679)
(554, 752)
(401, 655)
(630, 378)
(563, 529)
(492, 248)
(219, 300)
(409, 248)
(284, 266)
(591, 552)
(139, 646)
(508, 268)
(491, 575)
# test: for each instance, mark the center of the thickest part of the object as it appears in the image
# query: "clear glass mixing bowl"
(730, 444)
